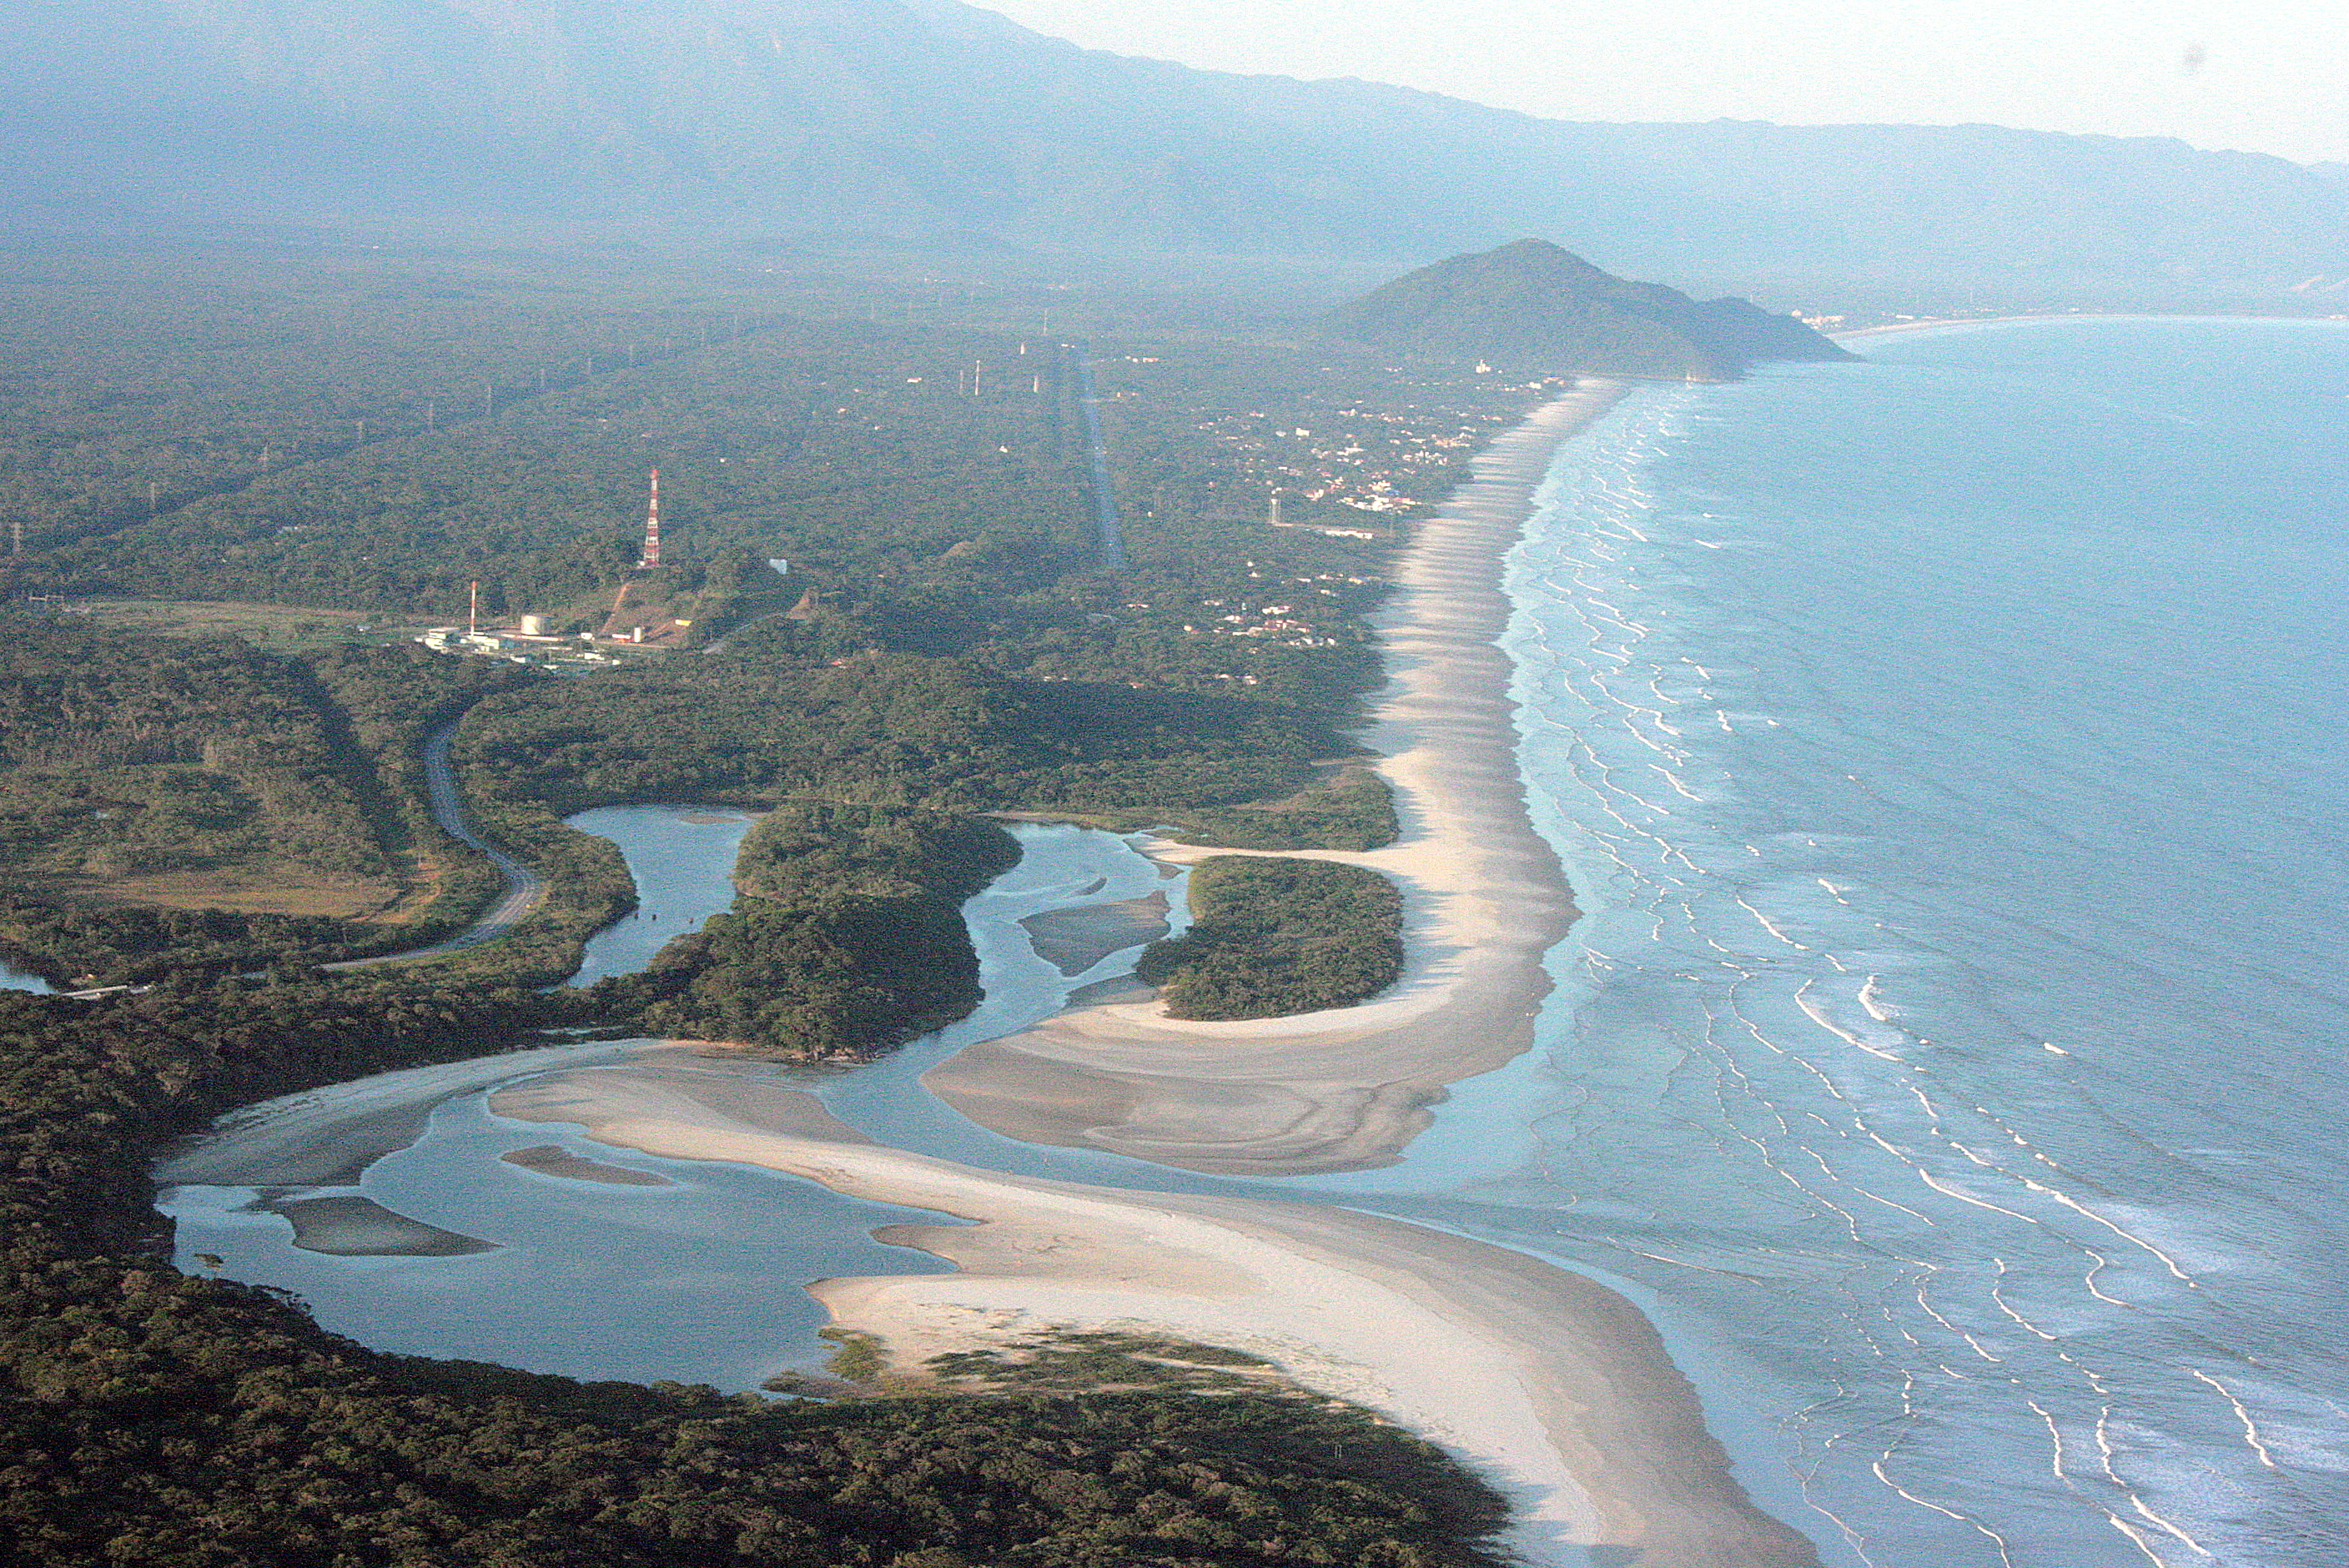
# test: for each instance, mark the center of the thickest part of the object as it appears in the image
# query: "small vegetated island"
(1271, 937)
(883, 611)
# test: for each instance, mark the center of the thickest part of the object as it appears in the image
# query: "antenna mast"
(652, 530)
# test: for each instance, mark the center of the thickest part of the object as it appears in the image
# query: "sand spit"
(1556, 1389)
(1484, 894)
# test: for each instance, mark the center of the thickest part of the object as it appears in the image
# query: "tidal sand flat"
(553, 1159)
(355, 1227)
(1349, 1088)
(1073, 940)
(1558, 1389)
(329, 1137)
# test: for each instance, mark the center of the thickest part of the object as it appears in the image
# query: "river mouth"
(407, 1213)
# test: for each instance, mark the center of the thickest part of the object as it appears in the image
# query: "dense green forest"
(1270, 937)
(846, 936)
(171, 804)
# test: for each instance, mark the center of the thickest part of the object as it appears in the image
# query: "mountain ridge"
(910, 117)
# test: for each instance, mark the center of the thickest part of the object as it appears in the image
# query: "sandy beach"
(1483, 899)
(1558, 1390)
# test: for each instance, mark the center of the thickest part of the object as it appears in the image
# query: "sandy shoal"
(1554, 1387)
(1484, 900)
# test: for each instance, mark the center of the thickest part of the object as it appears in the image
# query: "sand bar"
(1557, 1390)
(1484, 895)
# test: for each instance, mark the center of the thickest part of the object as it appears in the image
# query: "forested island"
(1269, 937)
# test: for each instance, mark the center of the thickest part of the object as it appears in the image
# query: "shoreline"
(1935, 323)
(1484, 895)
(1557, 1390)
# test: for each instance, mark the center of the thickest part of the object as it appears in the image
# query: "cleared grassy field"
(276, 625)
(263, 887)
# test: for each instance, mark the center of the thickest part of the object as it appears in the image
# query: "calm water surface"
(460, 1252)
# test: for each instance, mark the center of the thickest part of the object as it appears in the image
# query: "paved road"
(1109, 544)
(525, 890)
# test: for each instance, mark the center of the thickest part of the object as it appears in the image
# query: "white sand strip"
(1555, 1389)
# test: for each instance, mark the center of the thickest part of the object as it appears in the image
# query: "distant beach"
(1555, 1388)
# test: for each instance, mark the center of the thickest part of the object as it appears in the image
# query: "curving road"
(525, 888)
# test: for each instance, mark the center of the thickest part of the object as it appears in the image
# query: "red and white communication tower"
(652, 530)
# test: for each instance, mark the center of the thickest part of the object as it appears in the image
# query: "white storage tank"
(533, 626)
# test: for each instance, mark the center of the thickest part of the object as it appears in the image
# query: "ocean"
(1947, 752)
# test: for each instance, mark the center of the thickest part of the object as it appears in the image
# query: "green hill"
(1530, 305)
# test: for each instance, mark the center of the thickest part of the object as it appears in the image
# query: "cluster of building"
(528, 639)
(635, 620)
(1366, 461)
(1287, 623)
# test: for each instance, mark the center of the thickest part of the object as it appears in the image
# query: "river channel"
(407, 1214)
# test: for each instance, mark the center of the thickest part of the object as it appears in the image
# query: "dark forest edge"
(155, 1417)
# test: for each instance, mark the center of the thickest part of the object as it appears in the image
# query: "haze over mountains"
(918, 118)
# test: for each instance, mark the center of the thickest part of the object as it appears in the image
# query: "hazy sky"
(2266, 75)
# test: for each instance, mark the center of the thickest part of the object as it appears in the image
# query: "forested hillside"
(1531, 306)
(942, 123)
